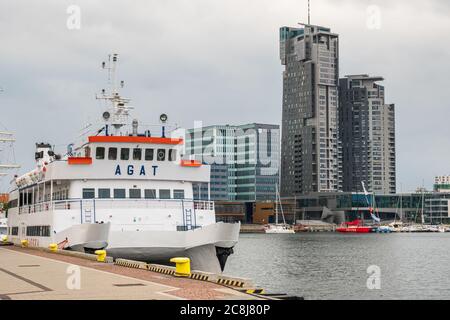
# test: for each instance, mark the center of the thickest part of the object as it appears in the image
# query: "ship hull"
(207, 247)
(354, 229)
(83, 237)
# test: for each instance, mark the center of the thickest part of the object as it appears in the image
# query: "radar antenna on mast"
(117, 113)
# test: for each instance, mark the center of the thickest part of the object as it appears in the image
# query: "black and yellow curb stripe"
(197, 276)
(233, 283)
(129, 264)
(253, 291)
(161, 270)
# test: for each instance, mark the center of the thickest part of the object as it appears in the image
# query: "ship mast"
(116, 116)
(6, 137)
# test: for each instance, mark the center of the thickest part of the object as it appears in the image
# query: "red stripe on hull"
(354, 229)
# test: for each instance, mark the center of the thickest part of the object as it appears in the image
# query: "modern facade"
(310, 148)
(244, 160)
(367, 135)
(351, 205)
(442, 184)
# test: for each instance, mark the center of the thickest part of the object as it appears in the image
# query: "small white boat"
(277, 227)
(396, 226)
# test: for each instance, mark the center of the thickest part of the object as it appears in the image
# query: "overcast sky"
(217, 61)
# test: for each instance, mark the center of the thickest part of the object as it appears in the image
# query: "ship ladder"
(188, 219)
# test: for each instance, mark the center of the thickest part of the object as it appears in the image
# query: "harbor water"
(335, 266)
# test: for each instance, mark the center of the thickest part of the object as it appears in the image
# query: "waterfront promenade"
(34, 274)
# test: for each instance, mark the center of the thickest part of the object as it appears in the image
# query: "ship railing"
(204, 205)
(50, 205)
(77, 204)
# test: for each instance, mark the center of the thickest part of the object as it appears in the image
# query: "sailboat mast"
(423, 200)
(276, 203)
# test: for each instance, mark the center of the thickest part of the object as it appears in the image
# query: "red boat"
(354, 227)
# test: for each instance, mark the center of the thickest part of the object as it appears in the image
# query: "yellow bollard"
(101, 255)
(24, 243)
(53, 247)
(183, 267)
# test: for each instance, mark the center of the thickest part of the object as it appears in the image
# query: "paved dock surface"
(33, 274)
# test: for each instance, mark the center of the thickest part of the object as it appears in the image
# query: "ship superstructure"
(130, 180)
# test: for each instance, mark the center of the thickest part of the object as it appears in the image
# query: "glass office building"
(244, 160)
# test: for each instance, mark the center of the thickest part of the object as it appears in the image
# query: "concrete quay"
(31, 274)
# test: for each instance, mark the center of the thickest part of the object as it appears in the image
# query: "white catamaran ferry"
(122, 190)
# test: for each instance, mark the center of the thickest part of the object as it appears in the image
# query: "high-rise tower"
(367, 134)
(309, 153)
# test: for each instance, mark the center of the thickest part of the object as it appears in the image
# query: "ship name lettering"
(130, 170)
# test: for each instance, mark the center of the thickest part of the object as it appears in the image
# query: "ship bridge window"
(172, 155)
(161, 155)
(13, 203)
(88, 193)
(164, 194)
(112, 154)
(104, 193)
(135, 193)
(14, 231)
(178, 194)
(100, 153)
(119, 193)
(137, 154)
(124, 153)
(149, 154)
(150, 194)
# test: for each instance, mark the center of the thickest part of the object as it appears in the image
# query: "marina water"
(334, 266)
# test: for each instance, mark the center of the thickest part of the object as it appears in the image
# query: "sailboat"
(357, 226)
(397, 226)
(277, 227)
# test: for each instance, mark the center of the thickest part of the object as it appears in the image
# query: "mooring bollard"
(24, 243)
(53, 247)
(183, 266)
(101, 255)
